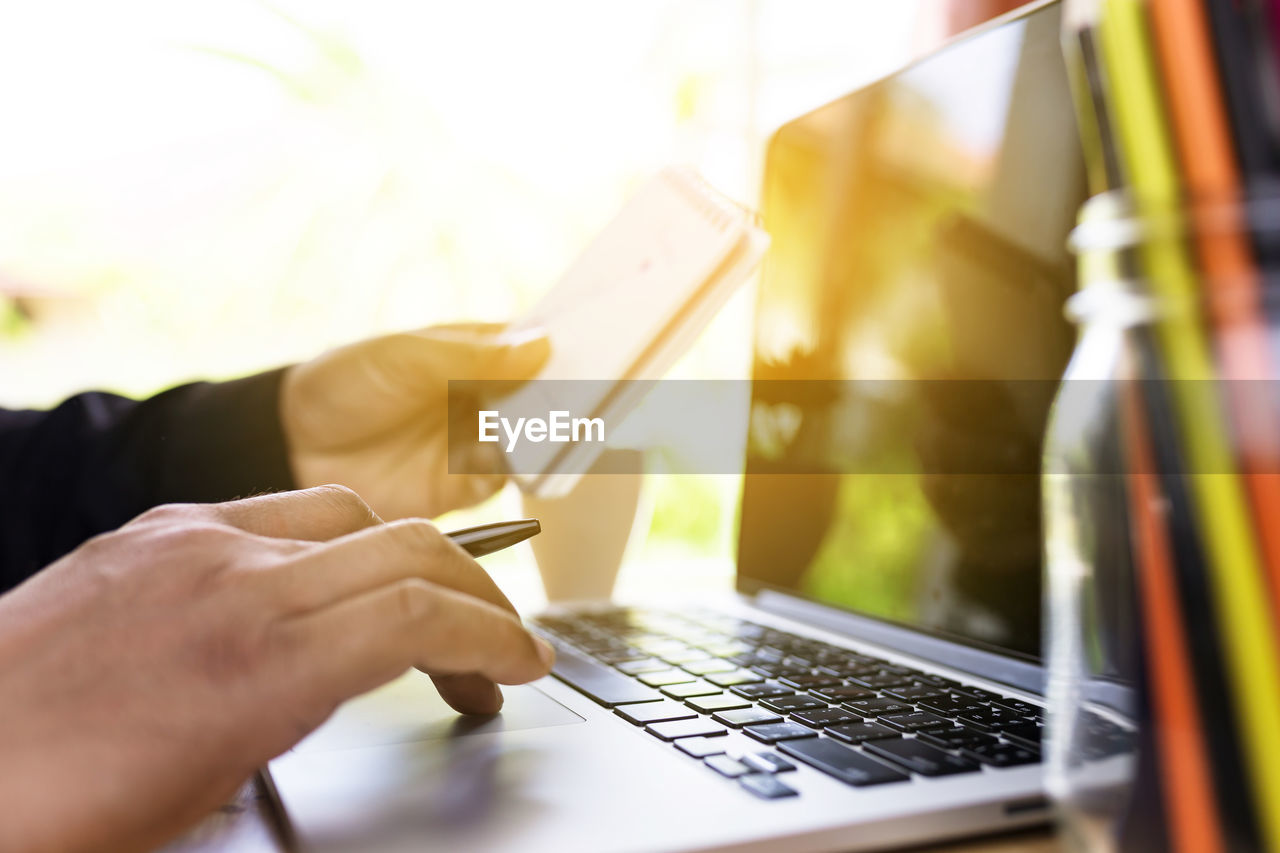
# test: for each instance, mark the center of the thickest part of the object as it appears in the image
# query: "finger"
(469, 694)
(317, 514)
(366, 641)
(375, 557)
(314, 515)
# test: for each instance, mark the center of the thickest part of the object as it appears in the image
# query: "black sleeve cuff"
(214, 442)
(98, 460)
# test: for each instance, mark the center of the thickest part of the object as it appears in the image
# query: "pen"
(487, 538)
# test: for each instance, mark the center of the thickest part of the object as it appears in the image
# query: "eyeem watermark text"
(557, 428)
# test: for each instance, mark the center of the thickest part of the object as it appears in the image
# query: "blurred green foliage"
(13, 321)
(872, 554)
(688, 511)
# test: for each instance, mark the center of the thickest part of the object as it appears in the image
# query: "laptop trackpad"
(409, 710)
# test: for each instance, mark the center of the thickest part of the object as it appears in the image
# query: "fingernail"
(545, 652)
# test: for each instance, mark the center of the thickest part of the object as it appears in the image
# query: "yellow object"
(1239, 593)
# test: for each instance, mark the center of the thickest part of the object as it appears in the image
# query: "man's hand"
(144, 676)
(374, 416)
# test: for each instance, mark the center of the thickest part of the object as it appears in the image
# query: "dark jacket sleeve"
(98, 460)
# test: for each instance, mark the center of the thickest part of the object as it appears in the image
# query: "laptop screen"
(919, 229)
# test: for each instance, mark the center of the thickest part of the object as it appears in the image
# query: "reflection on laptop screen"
(919, 231)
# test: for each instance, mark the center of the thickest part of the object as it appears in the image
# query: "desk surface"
(246, 824)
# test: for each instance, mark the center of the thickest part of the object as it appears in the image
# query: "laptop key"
(654, 712)
(822, 717)
(881, 680)
(597, 681)
(710, 665)
(724, 650)
(975, 693)
(844, 693)
(876, 707)
(719, 702)
(790, 704)
(856, 733)
(778, 670)
(640, 667)
(956, 738)
(701, 747)
(914, 692)
(846, 764)
(848, 658)
(732, 679)
(767, 762)
(601, 644)
(660, 644)
(693, 688)
(990, 718)
(847, 670)
(920, 757)
(1016, 705)
(621, 655)
(746, 717)
(683, 656)
(665, 678)
(829, 654)
(726, 766)
(950, 705)
(805, 682)
(1002, 754)
(761, 691)
(897, 669)
(915, 721)
(685, 728)
(766, 787)
(775, 732)
(1023, 734)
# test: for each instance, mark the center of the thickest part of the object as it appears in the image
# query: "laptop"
(877, 680)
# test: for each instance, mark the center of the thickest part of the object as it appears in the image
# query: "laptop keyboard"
(688, 678)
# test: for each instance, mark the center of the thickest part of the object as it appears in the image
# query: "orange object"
(1190, 807)
(1202, 131)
